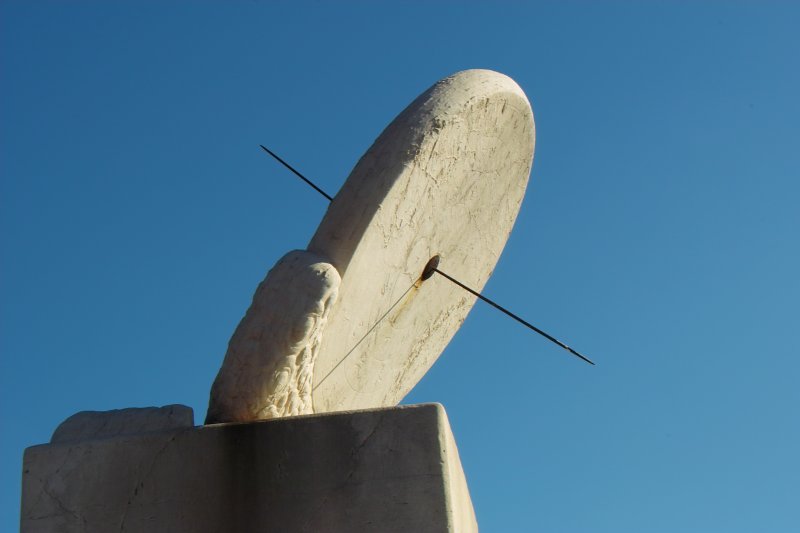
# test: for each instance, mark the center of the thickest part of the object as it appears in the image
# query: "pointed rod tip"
(573, 352)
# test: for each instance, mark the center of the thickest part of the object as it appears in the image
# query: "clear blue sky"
(659, 233)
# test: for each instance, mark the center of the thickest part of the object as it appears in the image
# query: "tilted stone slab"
(446, 178)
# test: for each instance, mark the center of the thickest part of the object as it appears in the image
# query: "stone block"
(134, 420)
(394, 469)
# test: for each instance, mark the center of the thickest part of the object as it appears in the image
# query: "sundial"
(352, 322)
(348, 325)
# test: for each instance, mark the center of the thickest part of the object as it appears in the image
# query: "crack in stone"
(61, 506)
(353, 454)
(144, 477)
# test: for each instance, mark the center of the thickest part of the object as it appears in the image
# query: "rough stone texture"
(267, 371)
(446, 177)
(101, 424)
(380, 470)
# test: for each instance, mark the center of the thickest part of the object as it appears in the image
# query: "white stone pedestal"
(394, 469)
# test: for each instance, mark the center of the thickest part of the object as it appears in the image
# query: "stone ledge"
(392, 469)
(88, 425)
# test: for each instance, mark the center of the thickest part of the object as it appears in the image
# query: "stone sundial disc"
(445, 178)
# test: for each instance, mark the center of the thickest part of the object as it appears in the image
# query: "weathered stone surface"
(382, 470)
(267, 371)
(101, 424)
(447, 178)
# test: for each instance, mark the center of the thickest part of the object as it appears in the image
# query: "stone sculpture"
(350, 324)
(267, 372)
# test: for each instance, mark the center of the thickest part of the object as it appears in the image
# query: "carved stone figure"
(269, 366)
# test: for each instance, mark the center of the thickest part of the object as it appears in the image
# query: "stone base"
(394, 469)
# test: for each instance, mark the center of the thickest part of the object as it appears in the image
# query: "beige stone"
(102, 424)
(387, 470)
(267, 371)
(447, 178)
